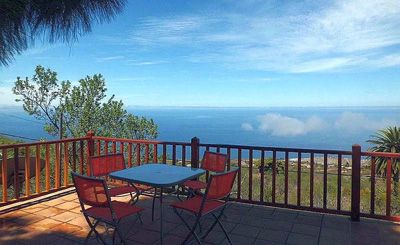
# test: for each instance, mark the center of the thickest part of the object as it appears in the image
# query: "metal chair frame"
(135, 197)
(200, 215)
(191, 192)
(97, 220)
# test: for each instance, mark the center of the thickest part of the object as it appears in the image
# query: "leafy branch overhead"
(63, 20)
(82, 107)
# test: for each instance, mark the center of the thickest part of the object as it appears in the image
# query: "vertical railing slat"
(155, 153)
(273, 175)
(286, 176)
(130, 154)
(16, 173)
(147, 153)
(57, 167)
(47, 168)
(388, 186)
(74, 156)
(121, 148)
(4, 175)
(339, 183)
(299, 179)
(173, 154)
(373, 171)
(114, 147)
(105, 147)
(37, 169)
(164, 153)
(262, 176)
(312, 180)
(81, 158)
(183, 155)
(99, 147)
(325, 184)
(137, 154)
(27, 172)
(228, 152)
(66, 163)
(239, 174)
(251, 174)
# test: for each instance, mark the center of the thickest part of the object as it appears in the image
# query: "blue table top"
(157, 175)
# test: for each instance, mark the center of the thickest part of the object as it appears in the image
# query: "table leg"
(152, 206)
(161, 215)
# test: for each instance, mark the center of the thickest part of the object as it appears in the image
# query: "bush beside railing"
(306, 179)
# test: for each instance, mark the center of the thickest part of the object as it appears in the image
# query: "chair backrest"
(213, 161)
(220, 185)
(103, 165)
(91, 191)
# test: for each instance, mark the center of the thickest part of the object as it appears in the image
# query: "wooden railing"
(32, 169)
(328, 181)
(382, 183)
(296, 184)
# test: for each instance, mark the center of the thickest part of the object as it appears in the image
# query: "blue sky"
(234, 53)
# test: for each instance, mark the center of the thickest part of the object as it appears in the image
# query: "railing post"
(195, 152)
(355, 182)
(90, 150)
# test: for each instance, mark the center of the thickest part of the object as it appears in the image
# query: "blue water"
(320, 128)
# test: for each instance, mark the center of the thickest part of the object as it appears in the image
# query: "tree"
(62, 20)
(82, 107)
(387, 140)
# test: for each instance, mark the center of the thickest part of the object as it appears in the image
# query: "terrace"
(303, 199)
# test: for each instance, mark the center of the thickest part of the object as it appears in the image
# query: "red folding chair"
(101, 166)
(215, 198)
(94, 193)
(211, 162)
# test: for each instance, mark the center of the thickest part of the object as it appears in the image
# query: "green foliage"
(386, 140)
(280, 165)
(83, 107)
(8, 141)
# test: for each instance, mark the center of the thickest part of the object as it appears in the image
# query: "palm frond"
(63, 20)
(386, 140)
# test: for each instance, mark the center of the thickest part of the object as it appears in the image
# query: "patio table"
(158, 176)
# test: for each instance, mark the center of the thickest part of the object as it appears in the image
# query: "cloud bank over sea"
(277, 124)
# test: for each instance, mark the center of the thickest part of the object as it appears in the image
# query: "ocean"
(311, 127)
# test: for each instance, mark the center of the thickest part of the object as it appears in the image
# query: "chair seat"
(195, 184)
(193, 205)
(120, 190)
(121, 210)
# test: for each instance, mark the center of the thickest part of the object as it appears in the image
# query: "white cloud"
(247, 127)
(344, 34)
(279, 125)
(144, 63)
(110, 58)
(6, 96)
(351, 121)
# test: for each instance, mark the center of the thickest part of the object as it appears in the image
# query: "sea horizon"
(336, 128)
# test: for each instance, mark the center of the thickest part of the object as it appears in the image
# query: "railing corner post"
(194, 144)
(90, 150)
(355, 182)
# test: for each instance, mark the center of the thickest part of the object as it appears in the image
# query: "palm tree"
(387, 140)
(23, 20)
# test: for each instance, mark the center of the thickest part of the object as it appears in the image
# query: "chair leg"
(119, 234)
(93, 230)
(154, 202)
(223, 229)
(192, 230)
(217, 221)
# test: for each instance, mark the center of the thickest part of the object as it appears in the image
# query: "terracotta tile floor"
(56, 220)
